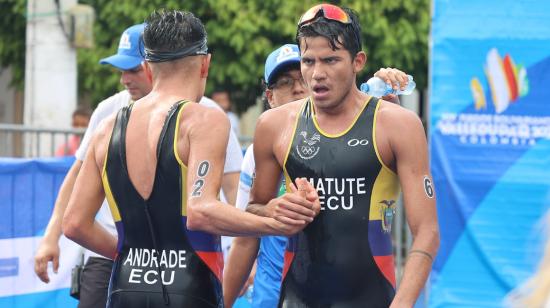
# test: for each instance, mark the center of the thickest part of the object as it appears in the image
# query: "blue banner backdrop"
(490, 146)
(28, 189)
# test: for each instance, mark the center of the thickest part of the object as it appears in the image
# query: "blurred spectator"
(223, 99)
(81, 118)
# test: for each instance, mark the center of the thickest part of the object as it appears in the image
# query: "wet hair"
(337, 33)
(171, 34)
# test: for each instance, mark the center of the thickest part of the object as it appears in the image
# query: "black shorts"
(94, 282)
(132, 299)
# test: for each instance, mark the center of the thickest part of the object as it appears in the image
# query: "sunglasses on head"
(328, 11)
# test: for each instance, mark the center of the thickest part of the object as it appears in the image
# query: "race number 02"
(202, 171)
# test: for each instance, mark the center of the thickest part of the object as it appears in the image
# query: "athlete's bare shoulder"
(101, 138)
(396, 126)
(197, 114)
(275, 128)
(390, 114)
(199, 124)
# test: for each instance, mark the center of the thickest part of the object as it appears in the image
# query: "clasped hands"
(294, 210)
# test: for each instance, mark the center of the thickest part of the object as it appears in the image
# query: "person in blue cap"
(283, 84)
(129, 60)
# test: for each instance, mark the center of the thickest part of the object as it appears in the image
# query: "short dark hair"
(82, 111)
(170, 31)
(337, 33)
(220, 90)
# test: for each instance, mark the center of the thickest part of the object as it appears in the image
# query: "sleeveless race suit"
(152, 234)
(344, 257)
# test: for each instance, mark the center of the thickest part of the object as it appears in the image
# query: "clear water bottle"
(249, 293)
(378, 87)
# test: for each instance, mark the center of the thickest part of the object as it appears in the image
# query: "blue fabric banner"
(28, 189)
(490, 146)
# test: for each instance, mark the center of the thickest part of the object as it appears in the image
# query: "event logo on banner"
(507, 82)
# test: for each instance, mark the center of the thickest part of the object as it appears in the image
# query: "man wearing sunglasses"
(283, 84)
(356, 150)
(97, 270)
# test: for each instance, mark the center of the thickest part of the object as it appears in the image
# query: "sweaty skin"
(401, 145)
(241, 261)
(196, 142)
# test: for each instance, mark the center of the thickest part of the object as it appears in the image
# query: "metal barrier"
(28, 141)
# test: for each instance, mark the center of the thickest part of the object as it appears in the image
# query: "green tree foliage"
(12, 39)
(241, 33)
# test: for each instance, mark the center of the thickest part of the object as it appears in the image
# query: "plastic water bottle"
(378, 87)
(245, 301)
(248, 294)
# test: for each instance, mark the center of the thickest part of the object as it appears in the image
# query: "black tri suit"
(344, 257)
(160, 263)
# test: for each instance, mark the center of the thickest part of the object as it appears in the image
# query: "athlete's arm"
(79, 222)
(49, 247)
(408, 143)
(243, 250)
(263, 196)
(206, 148)
(48, 251)
(237, 269)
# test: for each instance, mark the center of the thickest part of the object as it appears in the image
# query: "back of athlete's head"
(346, 35)
(170, 35)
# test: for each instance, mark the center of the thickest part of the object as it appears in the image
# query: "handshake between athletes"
(295, 209)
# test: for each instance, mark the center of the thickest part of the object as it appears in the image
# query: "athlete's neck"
(172, 89)
(338, 117)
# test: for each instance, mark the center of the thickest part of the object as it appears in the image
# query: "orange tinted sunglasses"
(328, 11)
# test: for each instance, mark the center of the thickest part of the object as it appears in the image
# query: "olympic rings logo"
(355, 142)
(308, 150)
